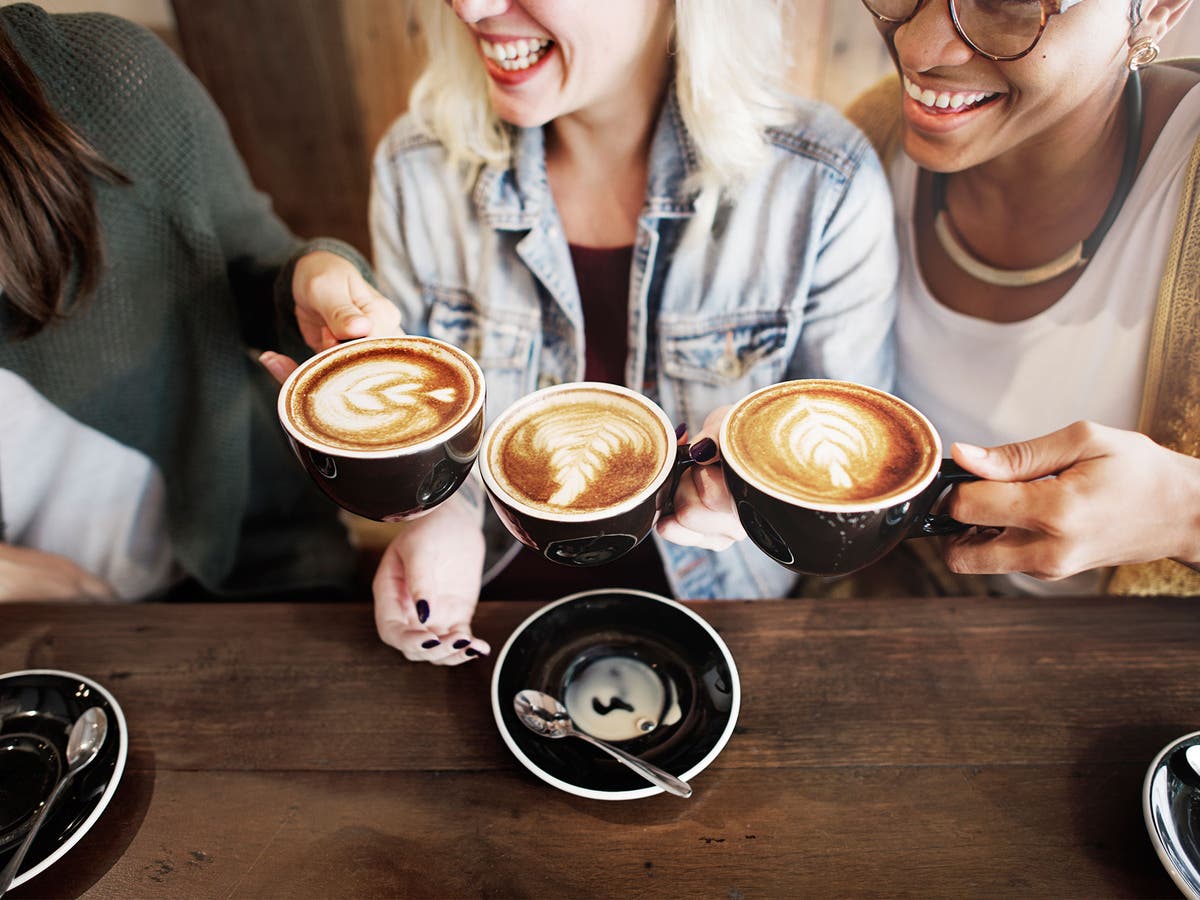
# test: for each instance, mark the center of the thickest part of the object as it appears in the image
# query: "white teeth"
(514, 56)
(945, 99)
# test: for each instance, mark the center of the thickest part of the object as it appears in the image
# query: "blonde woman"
(620, 192)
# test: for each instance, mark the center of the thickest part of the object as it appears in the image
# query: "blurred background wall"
(308, 86)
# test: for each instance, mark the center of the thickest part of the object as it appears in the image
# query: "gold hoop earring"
(1142, 52)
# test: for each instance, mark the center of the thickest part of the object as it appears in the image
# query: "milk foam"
(382, 398)
(618, 698)
(577, 451)
(826, 442)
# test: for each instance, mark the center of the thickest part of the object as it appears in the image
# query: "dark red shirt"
(602, 274)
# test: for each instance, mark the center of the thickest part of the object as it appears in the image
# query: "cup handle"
(940, 525)
(683, 462)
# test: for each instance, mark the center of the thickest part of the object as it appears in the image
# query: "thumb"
(277, 364)
(705, 451)
(381, 313)
(1025, 460)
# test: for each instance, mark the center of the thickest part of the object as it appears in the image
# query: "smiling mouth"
(513, 56)
(948, 101)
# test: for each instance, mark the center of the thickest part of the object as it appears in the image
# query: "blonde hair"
(729, 64)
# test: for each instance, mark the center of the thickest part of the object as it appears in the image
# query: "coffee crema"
(579, 450)
(829, 442)
(382, 395)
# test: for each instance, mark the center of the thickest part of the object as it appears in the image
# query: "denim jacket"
(794, 279)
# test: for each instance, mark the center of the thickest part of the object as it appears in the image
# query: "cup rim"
(281, 402)
(877, 503)
(668, 465)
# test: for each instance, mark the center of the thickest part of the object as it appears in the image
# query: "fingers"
(704, 450)
(705, 515)
(335, 303)
(277, 364)
(989, 551)
(1036, 458)
(427, 586)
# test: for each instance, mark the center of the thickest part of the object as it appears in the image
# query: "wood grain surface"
(904, 747)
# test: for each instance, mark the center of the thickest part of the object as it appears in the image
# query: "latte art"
(579, 450)
(382, 397)
(829, 443)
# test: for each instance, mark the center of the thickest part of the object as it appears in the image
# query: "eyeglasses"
(1001, 30)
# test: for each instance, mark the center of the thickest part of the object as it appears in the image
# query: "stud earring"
(1142, 52)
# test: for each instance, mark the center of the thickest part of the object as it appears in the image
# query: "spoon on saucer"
(83, 745)
(544, 715)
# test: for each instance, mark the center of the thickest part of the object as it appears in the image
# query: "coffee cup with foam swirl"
(829, 476)
(388, 428)
(581, 471)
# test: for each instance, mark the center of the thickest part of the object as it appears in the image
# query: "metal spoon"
(87, 737)
(544, 715)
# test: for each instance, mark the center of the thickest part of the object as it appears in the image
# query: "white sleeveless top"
(991, 383)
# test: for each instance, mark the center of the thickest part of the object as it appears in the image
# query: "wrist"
(1189, 491)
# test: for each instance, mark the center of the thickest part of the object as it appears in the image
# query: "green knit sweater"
(156, 357)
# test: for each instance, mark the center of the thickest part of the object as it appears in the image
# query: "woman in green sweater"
(139, 446)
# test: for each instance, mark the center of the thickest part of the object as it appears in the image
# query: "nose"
(929, 39)
(472, 11)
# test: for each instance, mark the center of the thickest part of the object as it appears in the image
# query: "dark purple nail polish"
(430, 644)
(422, 611)
(704, 450)
(680, 431)
(460, 643)
(471, 651)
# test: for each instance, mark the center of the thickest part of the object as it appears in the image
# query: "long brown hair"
(51, 251)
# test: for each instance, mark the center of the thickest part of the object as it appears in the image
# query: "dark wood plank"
(835, 831)
(885, 747)
(868, 682)
(307, 87)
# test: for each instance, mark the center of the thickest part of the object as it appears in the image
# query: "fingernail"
(422, 611)
(460, 643)
(471, 651)
(970, 451)
(680, 431)
(704, 450)
(430, 644)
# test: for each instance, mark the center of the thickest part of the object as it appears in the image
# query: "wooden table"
(954, 748)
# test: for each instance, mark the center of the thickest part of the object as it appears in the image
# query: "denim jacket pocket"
(497, 342)
(728, 351)
(709, 362)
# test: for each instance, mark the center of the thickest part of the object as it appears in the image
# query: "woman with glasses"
(1045, 182)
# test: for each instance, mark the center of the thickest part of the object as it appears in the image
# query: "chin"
(519, 115)
(933, 157)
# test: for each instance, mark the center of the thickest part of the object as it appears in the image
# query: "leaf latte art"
(830, 443)
(824, 443)
(577, 451)
(379, 399)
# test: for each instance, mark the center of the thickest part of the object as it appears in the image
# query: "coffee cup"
(829, 476)
(389, 427)
(581, 471)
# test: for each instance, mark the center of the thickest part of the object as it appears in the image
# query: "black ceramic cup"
(581, 472)
(387, 428)
(828, 477)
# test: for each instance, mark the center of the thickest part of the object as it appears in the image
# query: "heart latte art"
(829, 443)
(382, 397)
(577, 451)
